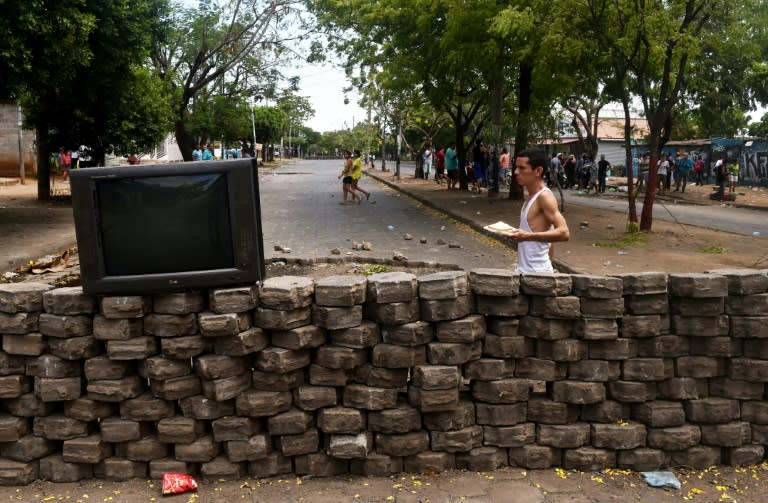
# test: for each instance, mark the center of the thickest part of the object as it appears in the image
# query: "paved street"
(300, 210)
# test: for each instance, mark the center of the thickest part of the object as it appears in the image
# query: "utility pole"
(253, 126)
(399, 146)
(21, 146)
(368, 137)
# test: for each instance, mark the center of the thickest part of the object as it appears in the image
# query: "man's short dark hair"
(536, 158)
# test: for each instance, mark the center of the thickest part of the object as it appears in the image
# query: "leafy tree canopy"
(78, 68)
(224, 48)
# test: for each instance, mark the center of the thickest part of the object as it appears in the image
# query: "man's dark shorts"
(347, 180)
(453, 174)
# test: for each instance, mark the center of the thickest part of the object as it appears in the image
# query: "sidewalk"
(30, 229)
(595, 233)
(478, 210)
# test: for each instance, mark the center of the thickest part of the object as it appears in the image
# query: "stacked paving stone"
(385, 374)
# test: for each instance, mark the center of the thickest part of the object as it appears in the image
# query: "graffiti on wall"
(755, 164)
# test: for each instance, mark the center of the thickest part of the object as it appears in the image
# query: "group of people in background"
(208, 153)
(441, 163)
(681, 169)
(351, 175)
(574, 172)
(205, 153)
(674, 168)
(64, 160)
(584, 173)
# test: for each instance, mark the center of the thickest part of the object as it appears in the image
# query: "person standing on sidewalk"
(570, 171)
(427, 162)
(452, 166)
(504, 167)
(698, 168)
(541, 222)
(65, 161)
(684, 166)
(357, 174)
(602, 173)
(440, 166)
(74, 159)
(479, 162)
(661, 172)
(733, 175)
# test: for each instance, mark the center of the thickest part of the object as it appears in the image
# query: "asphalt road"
(301, 211)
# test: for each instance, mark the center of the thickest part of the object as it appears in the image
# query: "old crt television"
(166, 227)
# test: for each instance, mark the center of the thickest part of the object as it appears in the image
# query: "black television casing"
(222, 192)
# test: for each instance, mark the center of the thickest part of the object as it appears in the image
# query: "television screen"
(163, 227)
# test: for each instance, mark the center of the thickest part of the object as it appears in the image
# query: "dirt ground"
(734, 485)
(670, 246)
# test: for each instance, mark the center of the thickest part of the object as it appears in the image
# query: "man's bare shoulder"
(546, 198)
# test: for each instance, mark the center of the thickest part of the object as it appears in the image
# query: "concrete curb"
(559, 266)
(430, 204)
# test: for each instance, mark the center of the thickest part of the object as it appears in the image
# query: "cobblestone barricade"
(385, 374)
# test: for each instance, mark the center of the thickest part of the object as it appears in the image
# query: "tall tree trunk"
(646, 217)
(383, 156)
(461, 151)
(628, 160)
(523, 122)
(185, 140)
(43, 162)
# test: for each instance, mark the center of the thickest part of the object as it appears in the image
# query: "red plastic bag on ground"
(177, 483)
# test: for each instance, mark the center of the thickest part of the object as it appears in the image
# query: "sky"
(323, 85)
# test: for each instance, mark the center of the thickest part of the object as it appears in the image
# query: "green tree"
(442, 50)
(672, 34)
(270, 124)
(61, 61)
(297, 109)
(223, 48)
(759, 129)
(658, 52)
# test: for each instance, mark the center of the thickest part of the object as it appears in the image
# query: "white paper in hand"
(499, 227)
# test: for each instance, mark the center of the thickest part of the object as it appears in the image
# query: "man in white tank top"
(541, 222)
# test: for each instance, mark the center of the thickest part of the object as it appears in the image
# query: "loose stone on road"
(300, 211)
